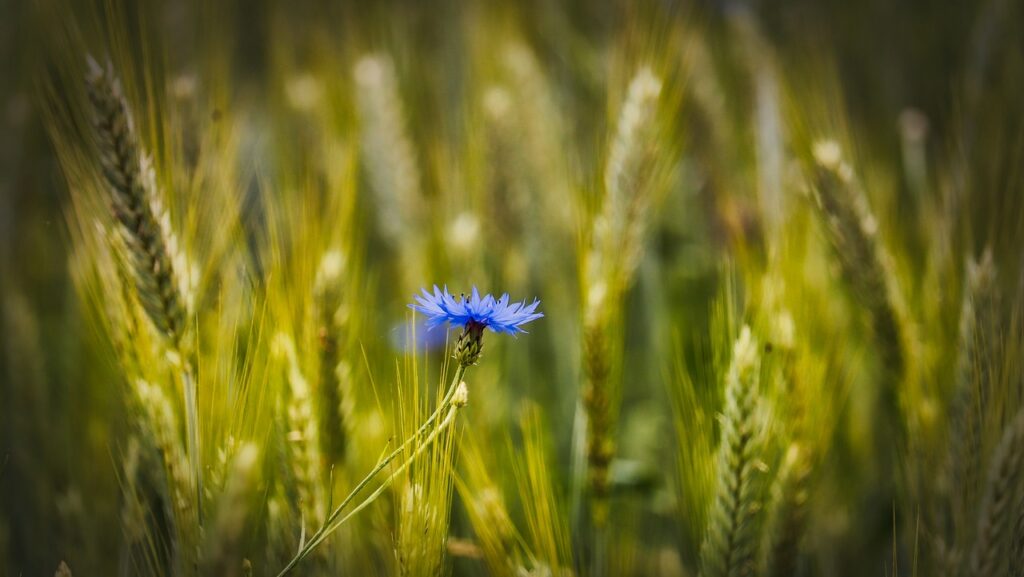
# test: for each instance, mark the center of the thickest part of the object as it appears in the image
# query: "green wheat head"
(731, 546)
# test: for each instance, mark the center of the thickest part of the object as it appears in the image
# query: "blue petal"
(499, 315)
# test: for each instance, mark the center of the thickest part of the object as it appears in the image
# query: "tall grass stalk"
(160, 270)
(547, 532)
(786, 527)
(454, 399)
(868, 270)
(224, 545)
(161, 418)
(630, 183)
(302, 437)
(990, 552)
(628, 164)
(731, 545)
(423, 489)
(1017, 550)
(389, 158)
(694, 421)
(488, 512)
(334, 401)
(965, 453)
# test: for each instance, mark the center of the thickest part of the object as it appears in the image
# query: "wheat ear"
(730, 547)
(866, 267)
(333, 404)
(1017, 553)
(964, 458)
(631, 175)
(617, 244)
(388, 153)
(151, 245)
(158, 267)
(224, 548)
(303, 437)
(790, 514)
(164, 428)
(600, 445)
(996, 514)
(487, 513)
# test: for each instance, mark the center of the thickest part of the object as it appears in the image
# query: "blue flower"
(475, 312)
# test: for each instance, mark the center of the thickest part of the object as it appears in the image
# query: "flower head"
(498, 315)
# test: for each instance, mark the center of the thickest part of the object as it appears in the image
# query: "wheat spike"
(970, 401)
(1017, 554)
(333, 404)
(159, 269)
(493, 527)
(487, 511)
(303, 437)
(152, 248)
(630, 177)
(730, 548)
(853, 232)
(617, 245)
(164, 428)
(147, 509)
(540, 129)
(388, 153)
(996, 515)
(596, 402)
(223, 555)
(790, 514)
(866, 268)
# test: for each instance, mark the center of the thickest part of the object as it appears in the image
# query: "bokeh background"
(468, 143)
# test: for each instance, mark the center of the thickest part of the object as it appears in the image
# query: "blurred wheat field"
(777, 250)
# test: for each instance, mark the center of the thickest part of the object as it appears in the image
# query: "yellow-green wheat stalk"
(630, 183)
(1017, 551)
(969, 406)
(334, 399)
(548, 544)
(164, 427)
(152, 248)
(487, 512)
(789, 516)
(302, 437)
(159, 269)
(424, 488)
(223, 555)
(996, 516)
(432, 428)
(731, 545)
(389, 158)
(867, 269)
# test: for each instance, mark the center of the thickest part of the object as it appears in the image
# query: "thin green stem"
(448, 420)
(331, 522)
(600, 568)
(192, 426)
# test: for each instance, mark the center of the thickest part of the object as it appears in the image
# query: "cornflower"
(474, 314)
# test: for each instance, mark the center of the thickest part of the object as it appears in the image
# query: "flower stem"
(448, 420)
(332, 522)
